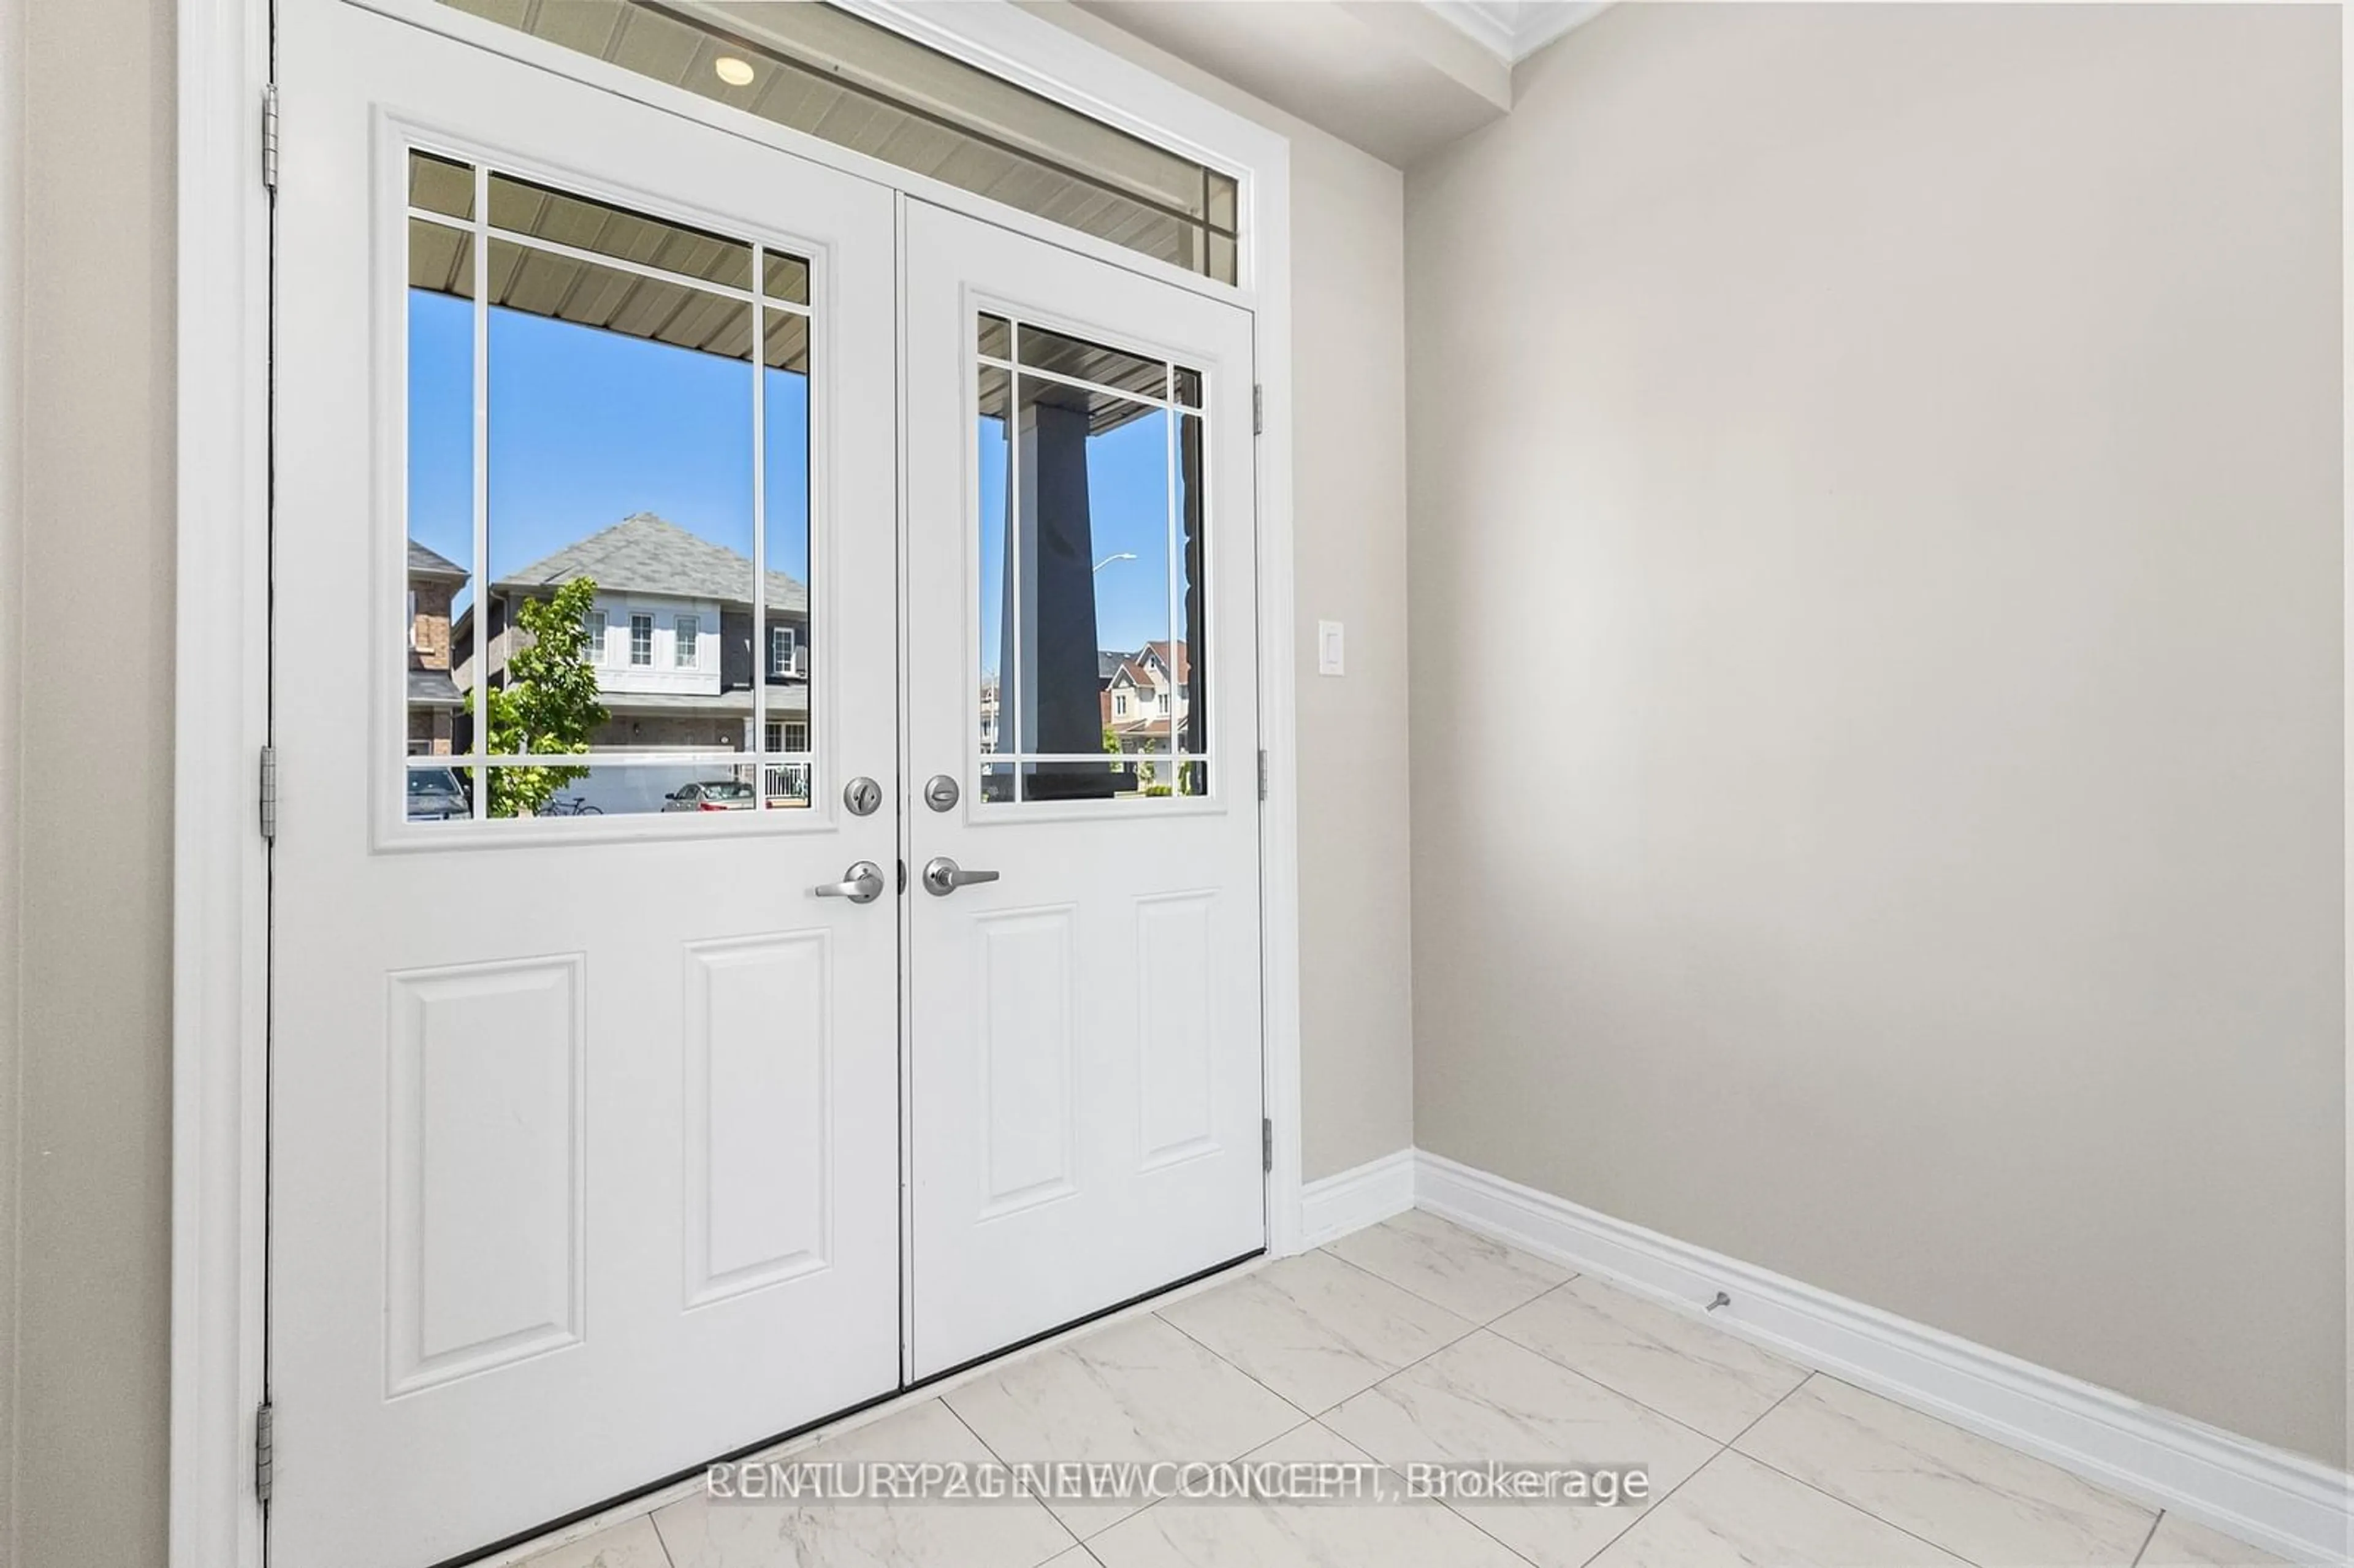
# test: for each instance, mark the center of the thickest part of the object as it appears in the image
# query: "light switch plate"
(1330, 656)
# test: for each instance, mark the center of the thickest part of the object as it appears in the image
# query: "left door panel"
(584, 1161)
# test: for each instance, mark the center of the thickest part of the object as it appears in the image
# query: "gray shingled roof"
(433, 689)
(646, 554)
(425, 563)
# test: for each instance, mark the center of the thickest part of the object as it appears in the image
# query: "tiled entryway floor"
(1416, 1341)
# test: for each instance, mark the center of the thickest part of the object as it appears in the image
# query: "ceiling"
(1399, 81)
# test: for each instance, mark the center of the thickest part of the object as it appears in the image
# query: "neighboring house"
(1140, 702)
(434, 697)
(1143, 705)
(1144, 698)
(672, 636)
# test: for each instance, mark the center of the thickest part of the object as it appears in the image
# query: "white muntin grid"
(762, 306)
(1009, 703)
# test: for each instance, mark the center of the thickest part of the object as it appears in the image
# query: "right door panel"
(1085, 1072)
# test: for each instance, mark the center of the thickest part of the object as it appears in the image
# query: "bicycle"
(570, 806)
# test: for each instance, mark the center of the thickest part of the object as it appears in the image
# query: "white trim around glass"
(221, 863)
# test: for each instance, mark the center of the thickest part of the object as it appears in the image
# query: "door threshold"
(1159, 1293)
(525, 1545)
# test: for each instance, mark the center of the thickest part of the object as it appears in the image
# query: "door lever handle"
(943, 876)
(863, 884)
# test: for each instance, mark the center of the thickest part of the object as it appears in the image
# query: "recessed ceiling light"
(733, 71)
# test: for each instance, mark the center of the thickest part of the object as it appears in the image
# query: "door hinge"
(1266, 1144)
(263, 1423)
(269, 794)
(269, 137)
(1262, 773)
(1258, 407)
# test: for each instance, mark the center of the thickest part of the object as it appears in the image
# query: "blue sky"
(587, 427)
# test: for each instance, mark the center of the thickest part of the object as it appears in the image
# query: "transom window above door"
(1092, 666)
(819, 70)
(608, 507)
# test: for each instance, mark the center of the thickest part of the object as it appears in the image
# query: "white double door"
(818, 529)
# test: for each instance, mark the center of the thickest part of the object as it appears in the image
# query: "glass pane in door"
(599, 436)
(621, 462)
(438, 587)
(1091, 552)
(1192, 735)
(788, 765)
(993, 469)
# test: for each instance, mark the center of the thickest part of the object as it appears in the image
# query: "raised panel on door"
(760, 1112)
(1026, 1091)
(1084, 1026)
(1176, 1027)
(485, 1212)
(583, 1107)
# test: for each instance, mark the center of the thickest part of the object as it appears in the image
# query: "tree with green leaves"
(548, 706)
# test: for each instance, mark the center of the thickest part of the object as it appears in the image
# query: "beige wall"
(12, 478)
(1904, 442)
(1348, 300)
(1348, 491)
(93, 1156)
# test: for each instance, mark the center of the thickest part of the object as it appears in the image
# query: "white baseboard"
(1355, 1199)
(2283, 1503)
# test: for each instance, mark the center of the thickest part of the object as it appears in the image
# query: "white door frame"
(220, 990)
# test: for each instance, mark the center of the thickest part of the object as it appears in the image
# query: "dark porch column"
(1059, 708)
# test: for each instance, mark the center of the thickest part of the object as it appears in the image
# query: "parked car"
(436, 794)
(711, 795)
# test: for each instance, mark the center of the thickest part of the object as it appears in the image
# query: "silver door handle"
(864, 885)
(943, 876)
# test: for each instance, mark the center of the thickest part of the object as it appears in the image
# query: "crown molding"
(1512, 30)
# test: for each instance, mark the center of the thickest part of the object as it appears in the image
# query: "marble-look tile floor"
(1417, 1341)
